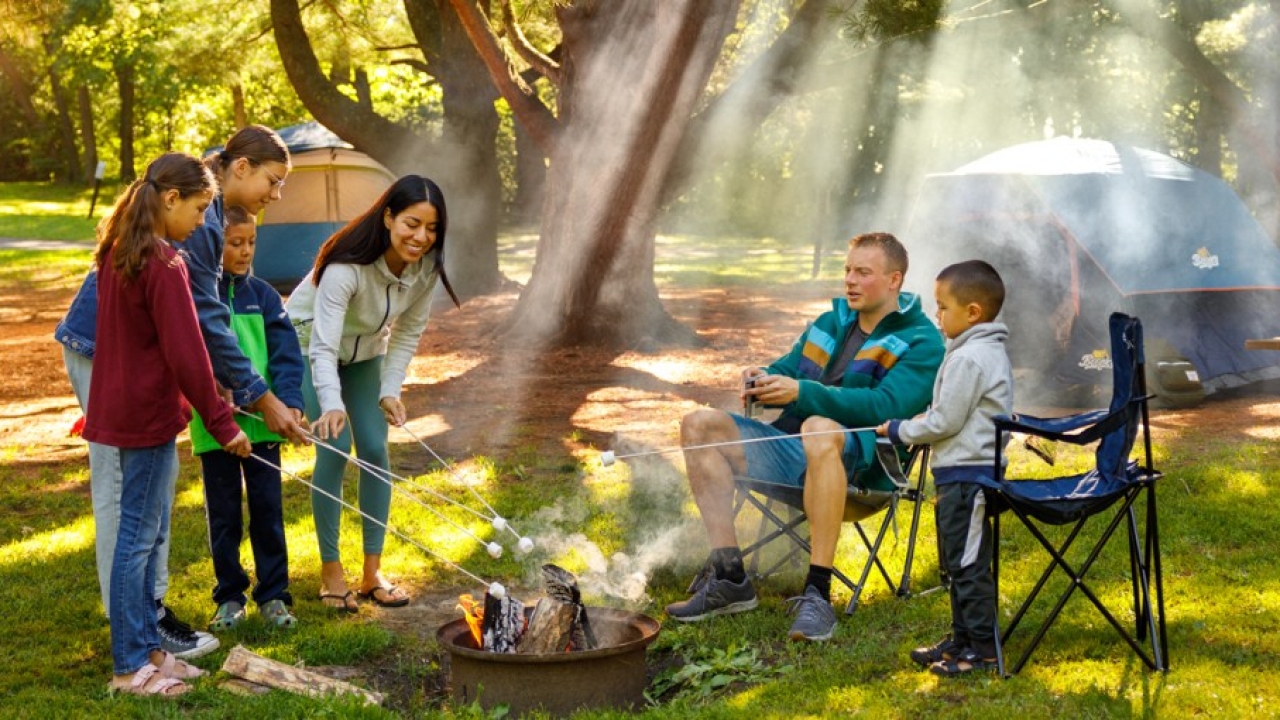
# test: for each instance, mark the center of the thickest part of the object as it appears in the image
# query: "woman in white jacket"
(360, 313)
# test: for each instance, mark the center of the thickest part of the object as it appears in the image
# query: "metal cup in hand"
(749, 402)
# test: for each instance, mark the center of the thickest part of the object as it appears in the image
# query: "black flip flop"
(372, 596)
(345, 607)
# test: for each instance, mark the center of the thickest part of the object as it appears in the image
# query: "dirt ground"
(467, 394)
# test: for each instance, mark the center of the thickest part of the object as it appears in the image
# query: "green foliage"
(708, 671)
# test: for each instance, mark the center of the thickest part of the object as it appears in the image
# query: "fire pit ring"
(611, 676)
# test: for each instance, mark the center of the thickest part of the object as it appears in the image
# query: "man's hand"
(239, 445)
(280, 419)
(748, 374)
(775, 389)
(394, 410)
(329, 425)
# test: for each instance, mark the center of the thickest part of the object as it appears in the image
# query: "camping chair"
(1115, 483)
(860, 504)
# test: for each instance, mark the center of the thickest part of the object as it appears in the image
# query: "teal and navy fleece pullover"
(890, 377)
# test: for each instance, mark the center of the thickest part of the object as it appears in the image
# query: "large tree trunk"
(464, 163)
(21, 89)
(124, 82)
(631, 76)
(531, 178)
(87, 137)
(66, 129)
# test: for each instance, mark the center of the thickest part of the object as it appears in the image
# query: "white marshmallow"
(497, 591)
(607, 458)
(525, 546)
(495, 550)
(499, 523)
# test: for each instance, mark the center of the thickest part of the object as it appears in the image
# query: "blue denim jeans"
(146, 499)
(104, 489)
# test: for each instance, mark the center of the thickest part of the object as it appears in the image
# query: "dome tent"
(330, 184)
(1080, 228)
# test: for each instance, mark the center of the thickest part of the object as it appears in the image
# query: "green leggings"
(361, 383)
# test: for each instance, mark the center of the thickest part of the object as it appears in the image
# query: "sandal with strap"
(967, 661)
(149, 681)
(392, 596)
(177, 669)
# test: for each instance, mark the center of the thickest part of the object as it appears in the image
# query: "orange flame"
(473, 613)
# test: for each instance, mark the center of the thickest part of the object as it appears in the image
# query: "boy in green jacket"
(267, 338)
(871, 358)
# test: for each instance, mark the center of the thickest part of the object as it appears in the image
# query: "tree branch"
(543, 64)
(528, 109)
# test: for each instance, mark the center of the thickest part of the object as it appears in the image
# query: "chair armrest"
(1079, 429)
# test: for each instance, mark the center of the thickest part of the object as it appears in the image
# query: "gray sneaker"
(713, 596)
(815, 618)
(180, 640)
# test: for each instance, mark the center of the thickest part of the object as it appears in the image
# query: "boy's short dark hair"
(236, 215)
(975, 281)
(892, 248)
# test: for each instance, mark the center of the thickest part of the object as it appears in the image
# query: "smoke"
(657, 531)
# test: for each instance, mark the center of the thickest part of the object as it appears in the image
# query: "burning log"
(497, 624)
(559, 621)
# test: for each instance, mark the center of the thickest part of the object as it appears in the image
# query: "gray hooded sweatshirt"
(974, 384)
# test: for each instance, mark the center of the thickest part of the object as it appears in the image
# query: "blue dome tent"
(1082, 228)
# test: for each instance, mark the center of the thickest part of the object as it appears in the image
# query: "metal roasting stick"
(608, 458)
(495, 588)
(493, 548)
(499, 523)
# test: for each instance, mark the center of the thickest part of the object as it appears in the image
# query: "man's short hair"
(893, 250)
(975, 281)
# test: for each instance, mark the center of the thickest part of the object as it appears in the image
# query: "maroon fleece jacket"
(149, 354)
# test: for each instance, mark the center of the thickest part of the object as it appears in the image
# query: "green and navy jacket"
(891, 376)
(267, 338)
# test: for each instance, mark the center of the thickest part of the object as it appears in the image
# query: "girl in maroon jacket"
(149, 356)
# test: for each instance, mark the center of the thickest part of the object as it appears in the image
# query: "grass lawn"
(51, 211)
(1218, 525)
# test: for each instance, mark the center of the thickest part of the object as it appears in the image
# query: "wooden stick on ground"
(253, 667)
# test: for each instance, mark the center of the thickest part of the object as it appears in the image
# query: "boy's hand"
(883, 430)
(239, 445)
(394, 410)
(280, 420)
(329, 425)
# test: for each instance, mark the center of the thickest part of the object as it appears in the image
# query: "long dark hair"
(256, 143)
(136, 224)
(366, 238)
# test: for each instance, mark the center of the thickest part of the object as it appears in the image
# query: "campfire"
(556, 623)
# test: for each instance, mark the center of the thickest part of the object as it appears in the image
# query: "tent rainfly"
(330, 184)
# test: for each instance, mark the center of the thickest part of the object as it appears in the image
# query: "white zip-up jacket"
(357, 313)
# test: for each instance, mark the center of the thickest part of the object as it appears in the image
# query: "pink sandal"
(177, 669)
(149, 681)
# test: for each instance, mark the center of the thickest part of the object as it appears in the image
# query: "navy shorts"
(782, 461)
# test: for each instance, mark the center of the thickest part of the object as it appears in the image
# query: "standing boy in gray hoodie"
(974, 384)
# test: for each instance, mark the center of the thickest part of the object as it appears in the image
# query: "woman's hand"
(239, 445)
(329, 425)
(394, 410)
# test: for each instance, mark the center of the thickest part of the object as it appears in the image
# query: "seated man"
(870, 359)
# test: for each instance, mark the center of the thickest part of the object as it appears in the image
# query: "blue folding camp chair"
(860, 504)
(1115, 483)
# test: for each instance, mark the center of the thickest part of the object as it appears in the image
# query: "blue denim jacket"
(79, 326)
(202, 252)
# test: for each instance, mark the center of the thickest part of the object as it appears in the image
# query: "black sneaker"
(966, 661)
(179, 639)
(815, 618)
(944, 649)
(714, 596)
